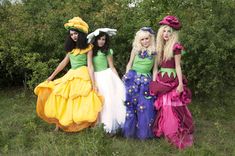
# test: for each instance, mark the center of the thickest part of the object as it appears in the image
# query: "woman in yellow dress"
(71, 102)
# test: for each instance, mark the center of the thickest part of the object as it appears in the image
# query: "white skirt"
(114, 111)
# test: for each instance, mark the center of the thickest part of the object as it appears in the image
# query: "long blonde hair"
(165, 49)
(137, 47)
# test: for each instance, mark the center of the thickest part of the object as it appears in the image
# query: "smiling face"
(145, 40)
(73, 35)
(101, 41)
(167, 33)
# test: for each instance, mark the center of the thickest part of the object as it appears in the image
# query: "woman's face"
(145, 41)
(73, 35)
(101, 41)
(167, 33)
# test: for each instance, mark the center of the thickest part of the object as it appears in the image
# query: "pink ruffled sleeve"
(178, 48)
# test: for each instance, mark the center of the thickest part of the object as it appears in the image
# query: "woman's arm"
(110, 62)
(91, 69)
(179, 72)
(129, 64)
(155, 70)
(60, 67)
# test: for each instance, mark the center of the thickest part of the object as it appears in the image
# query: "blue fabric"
(140, 111)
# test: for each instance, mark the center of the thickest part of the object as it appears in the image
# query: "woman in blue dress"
(140, 112)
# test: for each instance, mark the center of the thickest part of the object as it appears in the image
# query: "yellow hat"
(77, 23)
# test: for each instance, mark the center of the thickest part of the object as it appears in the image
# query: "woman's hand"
(59, 68)
(180, 88)
(95, 88)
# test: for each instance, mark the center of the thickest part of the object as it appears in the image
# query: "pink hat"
(171, 21)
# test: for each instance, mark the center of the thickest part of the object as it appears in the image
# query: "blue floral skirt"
(140, 111)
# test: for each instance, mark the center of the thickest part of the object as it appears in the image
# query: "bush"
(32, 37)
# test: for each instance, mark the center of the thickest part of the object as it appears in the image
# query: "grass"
(23, 133)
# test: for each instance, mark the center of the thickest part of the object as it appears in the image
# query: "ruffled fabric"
(178, 49)
(165, 84)
(69, 102)
(77, 51)
(174, 120)
(140, 112)
(77, 23)
(112, 88)
(171, 21)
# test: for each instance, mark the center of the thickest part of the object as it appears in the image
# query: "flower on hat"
(149, 29)
(109, 31)
(77, 23)
(171, 21)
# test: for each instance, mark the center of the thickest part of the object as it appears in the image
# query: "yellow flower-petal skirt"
(69, 102)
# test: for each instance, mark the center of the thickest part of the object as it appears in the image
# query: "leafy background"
(32, 37)
(32, 44)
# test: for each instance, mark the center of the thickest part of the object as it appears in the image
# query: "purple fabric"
(140, 112)
(149, 29)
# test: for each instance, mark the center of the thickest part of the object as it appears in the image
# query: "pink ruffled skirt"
(174, 120)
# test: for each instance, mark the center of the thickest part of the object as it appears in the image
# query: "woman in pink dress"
(174, 120)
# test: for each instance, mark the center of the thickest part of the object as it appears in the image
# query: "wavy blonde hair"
(165, 49)
(137, 47)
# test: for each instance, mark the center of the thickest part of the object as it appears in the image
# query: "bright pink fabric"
(174, 121)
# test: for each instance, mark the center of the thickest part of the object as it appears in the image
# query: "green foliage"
(32, 37)
(209, 37)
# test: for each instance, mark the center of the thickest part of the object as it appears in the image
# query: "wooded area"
(32, 37)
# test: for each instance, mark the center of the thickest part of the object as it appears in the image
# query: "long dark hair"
(103, 49)
(80, 44)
